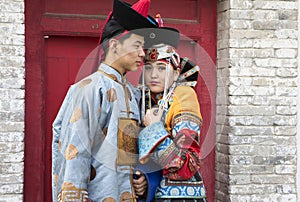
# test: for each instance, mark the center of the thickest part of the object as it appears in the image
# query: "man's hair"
(112, 29)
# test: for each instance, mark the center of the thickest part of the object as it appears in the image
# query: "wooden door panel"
(90, 7)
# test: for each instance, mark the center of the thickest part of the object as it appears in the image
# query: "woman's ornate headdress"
(161, 45)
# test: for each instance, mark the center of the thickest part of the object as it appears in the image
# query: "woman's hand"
(152, 116)
(140, 184)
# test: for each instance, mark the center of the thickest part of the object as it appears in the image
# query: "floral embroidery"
(84, 82)
(126, 197)
(71, 152)
(76, 115)
(111, 95)
(109, 199)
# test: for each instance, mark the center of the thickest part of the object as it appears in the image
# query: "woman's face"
(155, 74)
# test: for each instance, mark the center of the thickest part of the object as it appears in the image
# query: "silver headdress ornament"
(163, 51)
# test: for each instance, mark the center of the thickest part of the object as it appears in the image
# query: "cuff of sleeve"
(153, 174)
(150, 137)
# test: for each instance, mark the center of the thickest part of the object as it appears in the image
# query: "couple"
(94, 133)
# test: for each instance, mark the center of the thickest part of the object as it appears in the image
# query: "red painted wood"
(91, 7)
(73, 28)
(69, 26)
(34, 106)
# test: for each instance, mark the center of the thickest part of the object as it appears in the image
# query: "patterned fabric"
(70, 193)
(174, 145)
(84, 149)
(180, 200)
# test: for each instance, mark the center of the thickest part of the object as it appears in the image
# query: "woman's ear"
(176, 74)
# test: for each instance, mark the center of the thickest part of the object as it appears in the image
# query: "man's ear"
(113, 43)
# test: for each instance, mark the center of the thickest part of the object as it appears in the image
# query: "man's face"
(130, 53)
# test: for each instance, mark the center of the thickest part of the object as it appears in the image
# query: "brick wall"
(12, 72)
(257, 100)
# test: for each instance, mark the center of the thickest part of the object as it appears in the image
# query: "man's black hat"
(133, 17)
(125, 17)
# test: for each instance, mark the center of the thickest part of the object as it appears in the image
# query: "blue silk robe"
(85, 139)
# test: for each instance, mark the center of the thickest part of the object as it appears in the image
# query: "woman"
(170, 139)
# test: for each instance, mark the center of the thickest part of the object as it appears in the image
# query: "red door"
(59, 36)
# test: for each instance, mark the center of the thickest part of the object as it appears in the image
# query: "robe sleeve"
(175, 145)
(56, 131)
(74, 132)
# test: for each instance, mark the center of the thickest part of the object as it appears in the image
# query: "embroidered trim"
(189, 73)
(168, 154)
(188, 83)
(184, 61)
(169, 198)
(186, 117)
(169, 182)
(111, 76)
(180, 189)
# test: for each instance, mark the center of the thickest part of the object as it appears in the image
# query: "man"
(94, 142)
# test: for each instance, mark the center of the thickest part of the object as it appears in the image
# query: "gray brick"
(251, 110)
(14, 147)
(11, 189)
(285, 130)
(274, 160)
(11, 136)
(285, 169)
(240, 4)
(11, 197)
(11, 178)
(275, 5)
(11, 168)
(265, 24)
(11, 157)
(11, 126)
(272, 179)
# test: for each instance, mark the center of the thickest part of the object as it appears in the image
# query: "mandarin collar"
(110, 70)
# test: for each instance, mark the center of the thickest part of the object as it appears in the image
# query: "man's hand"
(140, 184)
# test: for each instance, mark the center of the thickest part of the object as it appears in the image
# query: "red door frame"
(35, 19)
(34, 132)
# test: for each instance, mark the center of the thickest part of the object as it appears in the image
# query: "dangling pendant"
(127, 142)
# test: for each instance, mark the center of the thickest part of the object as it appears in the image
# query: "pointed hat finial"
(142, 7)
